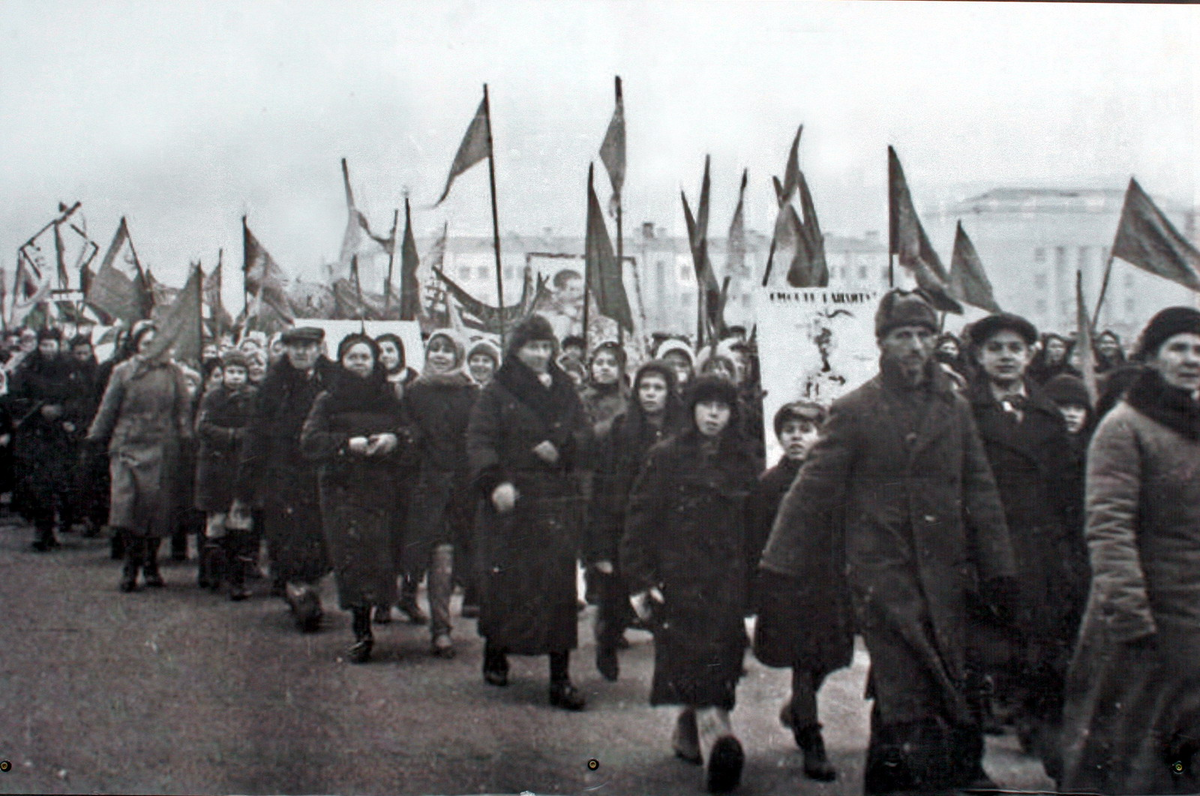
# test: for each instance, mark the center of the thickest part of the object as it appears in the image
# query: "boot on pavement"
(364, 642)
(685, 739)
(238, 555)
(816, 762)
(150, 571)
(408, 601)
(132, 549)
(441, 587)
(720, 749)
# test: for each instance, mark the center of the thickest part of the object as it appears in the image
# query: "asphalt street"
(178, 691)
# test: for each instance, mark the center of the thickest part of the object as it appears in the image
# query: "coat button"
(930, 518)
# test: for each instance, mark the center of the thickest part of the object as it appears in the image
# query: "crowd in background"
(497, 473)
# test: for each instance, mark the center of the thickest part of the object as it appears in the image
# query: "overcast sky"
(183, 117)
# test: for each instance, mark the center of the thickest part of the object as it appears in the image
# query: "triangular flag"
(968, 282)
(706, 279)
(410, 287)
(1147, 239)
(809, 268)
(791, 172)
(221, 321)
(180, 324)
(907, 240)
(735, 245)
(1087, 354)
(357, 240)
(603, 271)
(476, 145)
(263, 276)
(120, 288)
(612, 151)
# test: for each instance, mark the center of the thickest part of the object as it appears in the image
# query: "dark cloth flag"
(263, 276)
(612, 151)
(968, 282)
(1147, 239)
(735, 245)
(907, 240)
(603, 271)
(484, 317)
(179, 325)
(120, 288)
(476, 145)
(1087, 354)
(410, 286)
(797, 243)
(791, 172)
(706, 278)
(221, 321)
(808, 268)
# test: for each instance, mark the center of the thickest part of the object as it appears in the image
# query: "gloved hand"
(645, 602)
(1002, 596)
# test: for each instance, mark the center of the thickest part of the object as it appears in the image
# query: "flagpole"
(245, 292)
(362, 323)
(200, 314)
(620, 266)
(220, 298)
(587, 278)
(387, 285)
(487, 112)
(891, 269)
(1103, 289)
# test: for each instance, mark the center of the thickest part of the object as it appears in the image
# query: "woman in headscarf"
(1132, 717)
(439, 405)
(395, 362)
(1110, 354)
(607, 391)
(1052, 359)
(680, 355)
(144, 417)
(483, 360)
(683, 557)
(526, 434)
(357, 434)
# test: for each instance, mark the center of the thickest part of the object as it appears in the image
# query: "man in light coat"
(898, 491)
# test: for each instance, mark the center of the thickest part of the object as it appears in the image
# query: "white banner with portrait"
(814, 344)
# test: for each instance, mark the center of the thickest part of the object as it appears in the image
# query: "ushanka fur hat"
(1163, 326)
(903, 308)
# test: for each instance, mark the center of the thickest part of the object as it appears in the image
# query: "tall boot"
(720, 749)
(685, 740)
(816, 762)
(150, 571)
(237, 554)
(360, 650)
(132, 549)
(116, 544)
(441, 586)
(562, 693)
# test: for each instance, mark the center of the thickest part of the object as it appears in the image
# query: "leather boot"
(495, 665)
(211, 570)
(408, 601)
(685, 740)
(364, 642)
(150, 571)
(562, 693)
(816, 762)
(720, 749)
(132, 548)
(441, 586)
(236, 557)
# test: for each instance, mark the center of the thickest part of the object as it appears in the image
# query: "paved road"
(179, 691)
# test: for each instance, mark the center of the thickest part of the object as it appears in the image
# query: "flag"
(179, 325)
(487, 318)
(907, 239)
(31, 287)
(791, 172)
(1146, 238)
(435, 305)
(612, 151)
(221, 322)
(1087, 354)
(709, 291)
(968, 282)
(120, 288)
(735, 245)
(263, 276)
(808, 268)
(603, 271)
(357, 240)
(476, 145)
(410, 286)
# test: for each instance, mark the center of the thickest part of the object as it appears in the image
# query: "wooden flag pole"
(587, 276)
(387, 285)
(620, 266)
(245, 292)
(1103, 290)
(200, 314)
(487, 113)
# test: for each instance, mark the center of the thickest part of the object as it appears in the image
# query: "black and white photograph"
(562, 397)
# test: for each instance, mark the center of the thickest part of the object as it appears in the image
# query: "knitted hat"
(1163, 326)
(805, 411)
(675, 345)
(456, 342)
(1067, 390)
(485, 347)
(903, 308)
(535, 327)
(983, 329)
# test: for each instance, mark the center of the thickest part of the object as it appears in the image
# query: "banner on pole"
(814, 344)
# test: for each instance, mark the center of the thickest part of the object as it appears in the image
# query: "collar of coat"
(981, 397)
(1170, 406)
(522, 382)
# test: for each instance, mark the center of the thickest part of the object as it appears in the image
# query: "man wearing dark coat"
(897, 490)
(274, 473)
(1040, 484)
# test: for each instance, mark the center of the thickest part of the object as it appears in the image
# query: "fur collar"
(1164, 404)
(548, 402)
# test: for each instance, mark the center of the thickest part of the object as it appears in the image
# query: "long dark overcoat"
(274, 474)
(221, 428)
(685, 533)
(145, 416)
(43, 449)
(358, 493)
(898, 490)
(528, 555)
(1133, 692)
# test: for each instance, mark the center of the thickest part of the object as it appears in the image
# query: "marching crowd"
(1013, 553)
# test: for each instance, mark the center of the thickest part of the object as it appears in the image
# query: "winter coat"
(684, 533)
(1133, 693)
(804, 624)
(220, 428)
(144, 417)
(358, 496)
(273, 472)
(528, 555)
(603, 403)
(885, 496)
(44, 448)
(1040, 488)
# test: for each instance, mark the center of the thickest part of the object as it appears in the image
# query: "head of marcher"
(256, 366)
(235, 370)
(573, 347)
(716, 364)
(276, 350)
(654, 387)
(607, 365)
(679, 354)
(444, 353)
(358, 355)
(141, 337)
(391, 353)
(483, 358)
(49, 341)
(29, 340)
(1055, 348)
(303, 346)
(797, 426)
(1170, 345)
(1108, 344)
(532, 343)
(1070, 395)
(1003, 345)
(737, 352)
(81, 349)
(905, 329)
(713, 405)
(948, 346)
